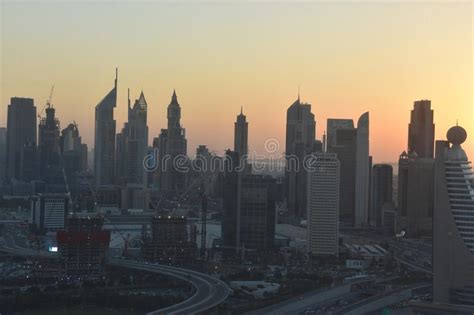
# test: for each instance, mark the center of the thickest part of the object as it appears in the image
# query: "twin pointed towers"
(118, 158)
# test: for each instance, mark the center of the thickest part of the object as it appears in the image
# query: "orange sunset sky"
(347, 58)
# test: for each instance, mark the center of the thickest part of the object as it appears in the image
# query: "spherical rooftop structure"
(456, 135)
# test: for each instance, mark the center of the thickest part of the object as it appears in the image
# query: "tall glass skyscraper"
(104, 141)
(453, 235)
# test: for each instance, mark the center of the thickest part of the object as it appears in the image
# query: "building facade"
(300, 142)
(49, 211)
(421, 129)
(21, 131)
(104, 141)
(323, 205)
(453, 241)
(82, 248)
(132, 145)
(381, 192)
(362, 184)
(3, 153)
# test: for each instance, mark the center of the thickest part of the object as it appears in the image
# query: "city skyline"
(342, 77)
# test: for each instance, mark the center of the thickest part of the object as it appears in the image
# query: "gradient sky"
(347, 58)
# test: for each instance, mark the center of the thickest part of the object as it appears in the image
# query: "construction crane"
(48, 102)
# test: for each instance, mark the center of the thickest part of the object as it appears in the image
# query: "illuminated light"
(53, 249)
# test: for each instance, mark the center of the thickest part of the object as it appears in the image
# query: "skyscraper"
(402, 186)
(453, 241)
(323, 205)
(132, 145)
(175, 150)
(300, 142)
(362, 172)
(21, 130)
(332, 126)
(3, 153)
(256, 222)
(345, 146)
(381, 192)
(48, 144)
(73, 154)
(104, 141)
(241, 128)
(421, 130)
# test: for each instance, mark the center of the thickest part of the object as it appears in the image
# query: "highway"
(208, 290)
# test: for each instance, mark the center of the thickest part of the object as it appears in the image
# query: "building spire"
(241, 110)
(116, 77)
(174, 98)
(298, 93)
(128, 97)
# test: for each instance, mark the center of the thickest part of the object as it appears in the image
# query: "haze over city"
(346, 59)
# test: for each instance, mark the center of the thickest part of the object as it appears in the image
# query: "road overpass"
(208, 291)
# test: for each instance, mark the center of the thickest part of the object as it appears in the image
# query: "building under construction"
(169, 242)
(83, 247)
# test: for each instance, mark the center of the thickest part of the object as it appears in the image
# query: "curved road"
(208, 290)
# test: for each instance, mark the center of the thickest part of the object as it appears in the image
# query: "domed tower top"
(456, 135)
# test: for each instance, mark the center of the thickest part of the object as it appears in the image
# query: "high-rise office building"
(332, 126)
(21, 130)
(453, 241)
(173, 141)
(352, 148)
(104, 141)
(231, 198)
(300, 142)
(73, 156)
(249, 208)
(381, 192)
(48, 142)
(402, 186)
(362, 172)
(256, 222)
(49, 211)
(241, 129)
(345, 147)
(415, 194)
(323, 205)
(3, 153)
(421, 130)
(132, 145)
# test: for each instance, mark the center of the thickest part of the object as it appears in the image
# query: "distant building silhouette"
(344, 144)
(421, 130)
(48, 145)
(453, 242)
(381, 192)
(241, 131)
(3, 153)
(132, 145)
(21, 131)
(362, 172)
(73, 155)
(352, 148)
(300, 142)
(241, 134)
(416, 173)
(415, 194)
(323, 205)
(104, 142)
(249, 208)
(173, 141)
